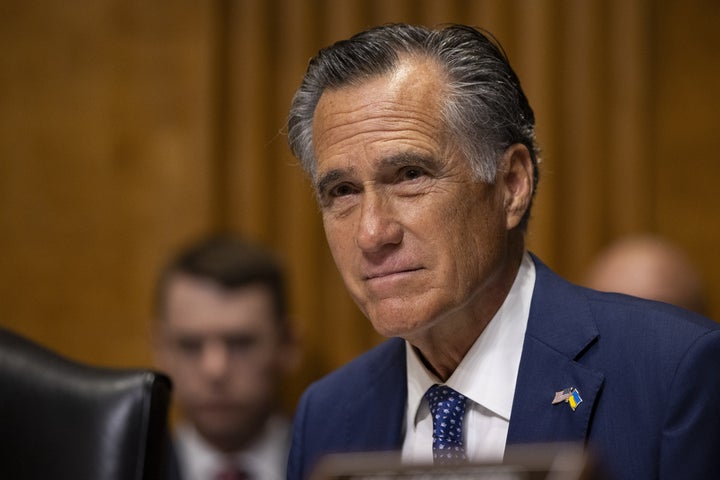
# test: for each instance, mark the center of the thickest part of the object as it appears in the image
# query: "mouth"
(390, 273)
(216, 406)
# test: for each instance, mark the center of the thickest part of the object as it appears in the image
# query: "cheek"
(186, 387)
(173, 366)
(474, 230)
(340, 240)
(257, 384)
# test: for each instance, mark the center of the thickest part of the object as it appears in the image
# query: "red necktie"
(232, 473)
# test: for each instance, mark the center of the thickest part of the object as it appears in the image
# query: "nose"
(215, 360)
(378, 226)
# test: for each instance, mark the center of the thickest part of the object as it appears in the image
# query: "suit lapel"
(560, 330)
(543, 372)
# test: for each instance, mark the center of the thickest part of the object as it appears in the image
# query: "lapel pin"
(569, 395)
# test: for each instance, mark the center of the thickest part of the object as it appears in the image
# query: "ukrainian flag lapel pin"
(569, 395)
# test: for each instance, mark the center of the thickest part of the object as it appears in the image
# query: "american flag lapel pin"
(569, 395)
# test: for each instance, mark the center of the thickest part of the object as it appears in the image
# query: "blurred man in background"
(222, 335)
(648, 266)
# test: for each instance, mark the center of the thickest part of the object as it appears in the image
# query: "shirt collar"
(488, 372)
(264, 458)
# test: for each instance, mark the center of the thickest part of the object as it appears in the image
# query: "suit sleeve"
(691, 432)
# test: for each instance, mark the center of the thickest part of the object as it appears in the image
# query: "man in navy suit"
(420, 145)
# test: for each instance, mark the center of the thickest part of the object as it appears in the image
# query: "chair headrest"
(73, 420)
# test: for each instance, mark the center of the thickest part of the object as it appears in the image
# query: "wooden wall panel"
(580, 161)
(129, 127)
(537, 61)
(104, 141)
(686, 133)
(247, 59)
(628, 131)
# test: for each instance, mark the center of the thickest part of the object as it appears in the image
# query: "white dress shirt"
(265, 459)
(486, 376)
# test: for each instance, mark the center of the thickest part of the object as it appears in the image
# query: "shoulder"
(646, 313)
(555, 294)
(660, 331)
(618, 326)
(352, 379)
(627, 326)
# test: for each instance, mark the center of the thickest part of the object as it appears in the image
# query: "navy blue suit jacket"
(647, 373)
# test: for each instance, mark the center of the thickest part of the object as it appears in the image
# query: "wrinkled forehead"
(412, 91)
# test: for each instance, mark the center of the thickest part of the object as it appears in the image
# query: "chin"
(396, 327)
(406, 318)
(221, 418)
(218, 426)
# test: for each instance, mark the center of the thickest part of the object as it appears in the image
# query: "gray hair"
(485, 107)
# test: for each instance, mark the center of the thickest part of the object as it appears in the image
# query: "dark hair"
(231, 263)
(485, 107)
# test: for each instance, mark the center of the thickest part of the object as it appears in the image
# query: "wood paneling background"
(128, 128)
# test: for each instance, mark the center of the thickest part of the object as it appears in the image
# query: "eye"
(411, 173)
(189, 346)
(240, 343)
(342, 190)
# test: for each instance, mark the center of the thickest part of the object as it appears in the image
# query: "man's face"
(225, 354)
(416, 237)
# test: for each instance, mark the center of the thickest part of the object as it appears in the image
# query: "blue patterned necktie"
(448, 409)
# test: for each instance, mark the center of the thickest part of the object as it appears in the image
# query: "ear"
(516, 180)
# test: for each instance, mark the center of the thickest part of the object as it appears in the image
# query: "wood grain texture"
(128, 128)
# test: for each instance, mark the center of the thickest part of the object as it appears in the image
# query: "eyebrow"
(333, 175)
(398, 160)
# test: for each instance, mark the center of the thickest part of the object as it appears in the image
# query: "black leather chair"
(60, 419)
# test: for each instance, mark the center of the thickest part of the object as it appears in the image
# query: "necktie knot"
(448, 411)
